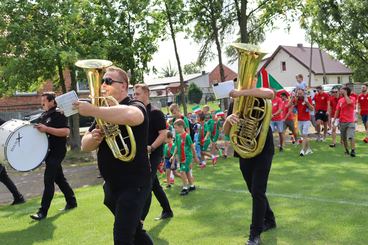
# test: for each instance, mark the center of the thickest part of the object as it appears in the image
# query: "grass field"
(317, 199)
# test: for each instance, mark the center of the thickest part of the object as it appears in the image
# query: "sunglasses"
(109, 81)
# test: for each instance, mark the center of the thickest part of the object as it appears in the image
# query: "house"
(287, 61)
(215, 76)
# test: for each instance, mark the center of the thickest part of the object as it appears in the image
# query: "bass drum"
(22, 146)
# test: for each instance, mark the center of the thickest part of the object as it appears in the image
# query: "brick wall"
(26, 103)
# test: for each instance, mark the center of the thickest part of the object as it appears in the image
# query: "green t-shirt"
(167, 153)
(187, 146)
(186, 122)
(206, 129)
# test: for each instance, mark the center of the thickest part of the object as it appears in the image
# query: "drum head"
(26, 148)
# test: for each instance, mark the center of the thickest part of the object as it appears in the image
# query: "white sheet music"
(222, 90)
(65, 103)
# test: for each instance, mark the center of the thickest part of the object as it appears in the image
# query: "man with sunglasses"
(127, 184)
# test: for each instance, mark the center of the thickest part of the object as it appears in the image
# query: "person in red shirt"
(303, 104)
(288, 117)
(277, 123)
(345, 111)
(363, 109)
(332, 103)
(321, 105)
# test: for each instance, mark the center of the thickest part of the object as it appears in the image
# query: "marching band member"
(255, 171)
(127, 184)
(4, 177)
(55, 125)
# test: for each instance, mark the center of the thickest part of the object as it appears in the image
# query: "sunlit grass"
(317, 199)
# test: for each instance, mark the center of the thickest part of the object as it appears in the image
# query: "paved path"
(30, 184)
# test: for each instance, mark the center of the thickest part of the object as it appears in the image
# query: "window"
(339, 80)
(82, 83)
(283, 66)
(82, 86)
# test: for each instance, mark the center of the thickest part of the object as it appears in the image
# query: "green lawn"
(317, 199)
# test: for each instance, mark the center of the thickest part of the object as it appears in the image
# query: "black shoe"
(70, 206)
(38, 216)
(347, 153)
(18, 200)
(269, 225)
(352, 153)
(254, 240)
(166, 215)
(281, 149)
(192, 188)
(184, 192)
(332, 145)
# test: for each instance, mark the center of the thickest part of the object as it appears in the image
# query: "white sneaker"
(302, 153)
(309, 151)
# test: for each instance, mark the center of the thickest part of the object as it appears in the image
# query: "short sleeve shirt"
(363, 102)
(55, 119)
(346, 110)
(321, 100)
(187, 145)
(127, 174)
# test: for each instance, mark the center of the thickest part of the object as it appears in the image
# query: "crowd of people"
(325, 112)
(175, 141)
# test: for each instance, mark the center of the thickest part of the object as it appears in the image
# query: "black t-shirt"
(156, 123)
(268, 147)
(121, 174)
(55, 119)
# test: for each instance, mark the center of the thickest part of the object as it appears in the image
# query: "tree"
(340, 27)
(41, 39)
(172, 13)
(194, 94)
(192, 68)
(212, 23)
(168, 71)
(130, 34)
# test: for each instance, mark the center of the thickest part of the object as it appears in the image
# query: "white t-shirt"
(302, 85)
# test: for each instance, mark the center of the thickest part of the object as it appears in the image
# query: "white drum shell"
(22, 146)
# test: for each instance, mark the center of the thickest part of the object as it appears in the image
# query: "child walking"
(184, 149)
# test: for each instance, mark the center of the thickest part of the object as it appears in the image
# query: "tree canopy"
(340, 27)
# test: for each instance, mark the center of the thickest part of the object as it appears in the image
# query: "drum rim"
(6, 147)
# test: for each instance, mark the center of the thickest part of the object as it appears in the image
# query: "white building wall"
(203, 82)
(332, 79)
(293, 67)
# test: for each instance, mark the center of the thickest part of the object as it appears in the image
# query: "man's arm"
(158, 141)
(59, 132)
(118, 114)
(264, 93)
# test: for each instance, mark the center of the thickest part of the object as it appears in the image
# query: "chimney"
(299, 45)
(203, 72)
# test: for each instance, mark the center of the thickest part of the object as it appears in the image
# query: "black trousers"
(156, 189)
(126, 204)
(255, 173)
(54, 174)
(4, 177)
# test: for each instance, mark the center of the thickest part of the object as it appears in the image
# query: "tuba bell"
(248, 136)
(113, 136)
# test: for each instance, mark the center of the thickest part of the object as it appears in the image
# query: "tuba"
(248, 136)
(113, 136)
